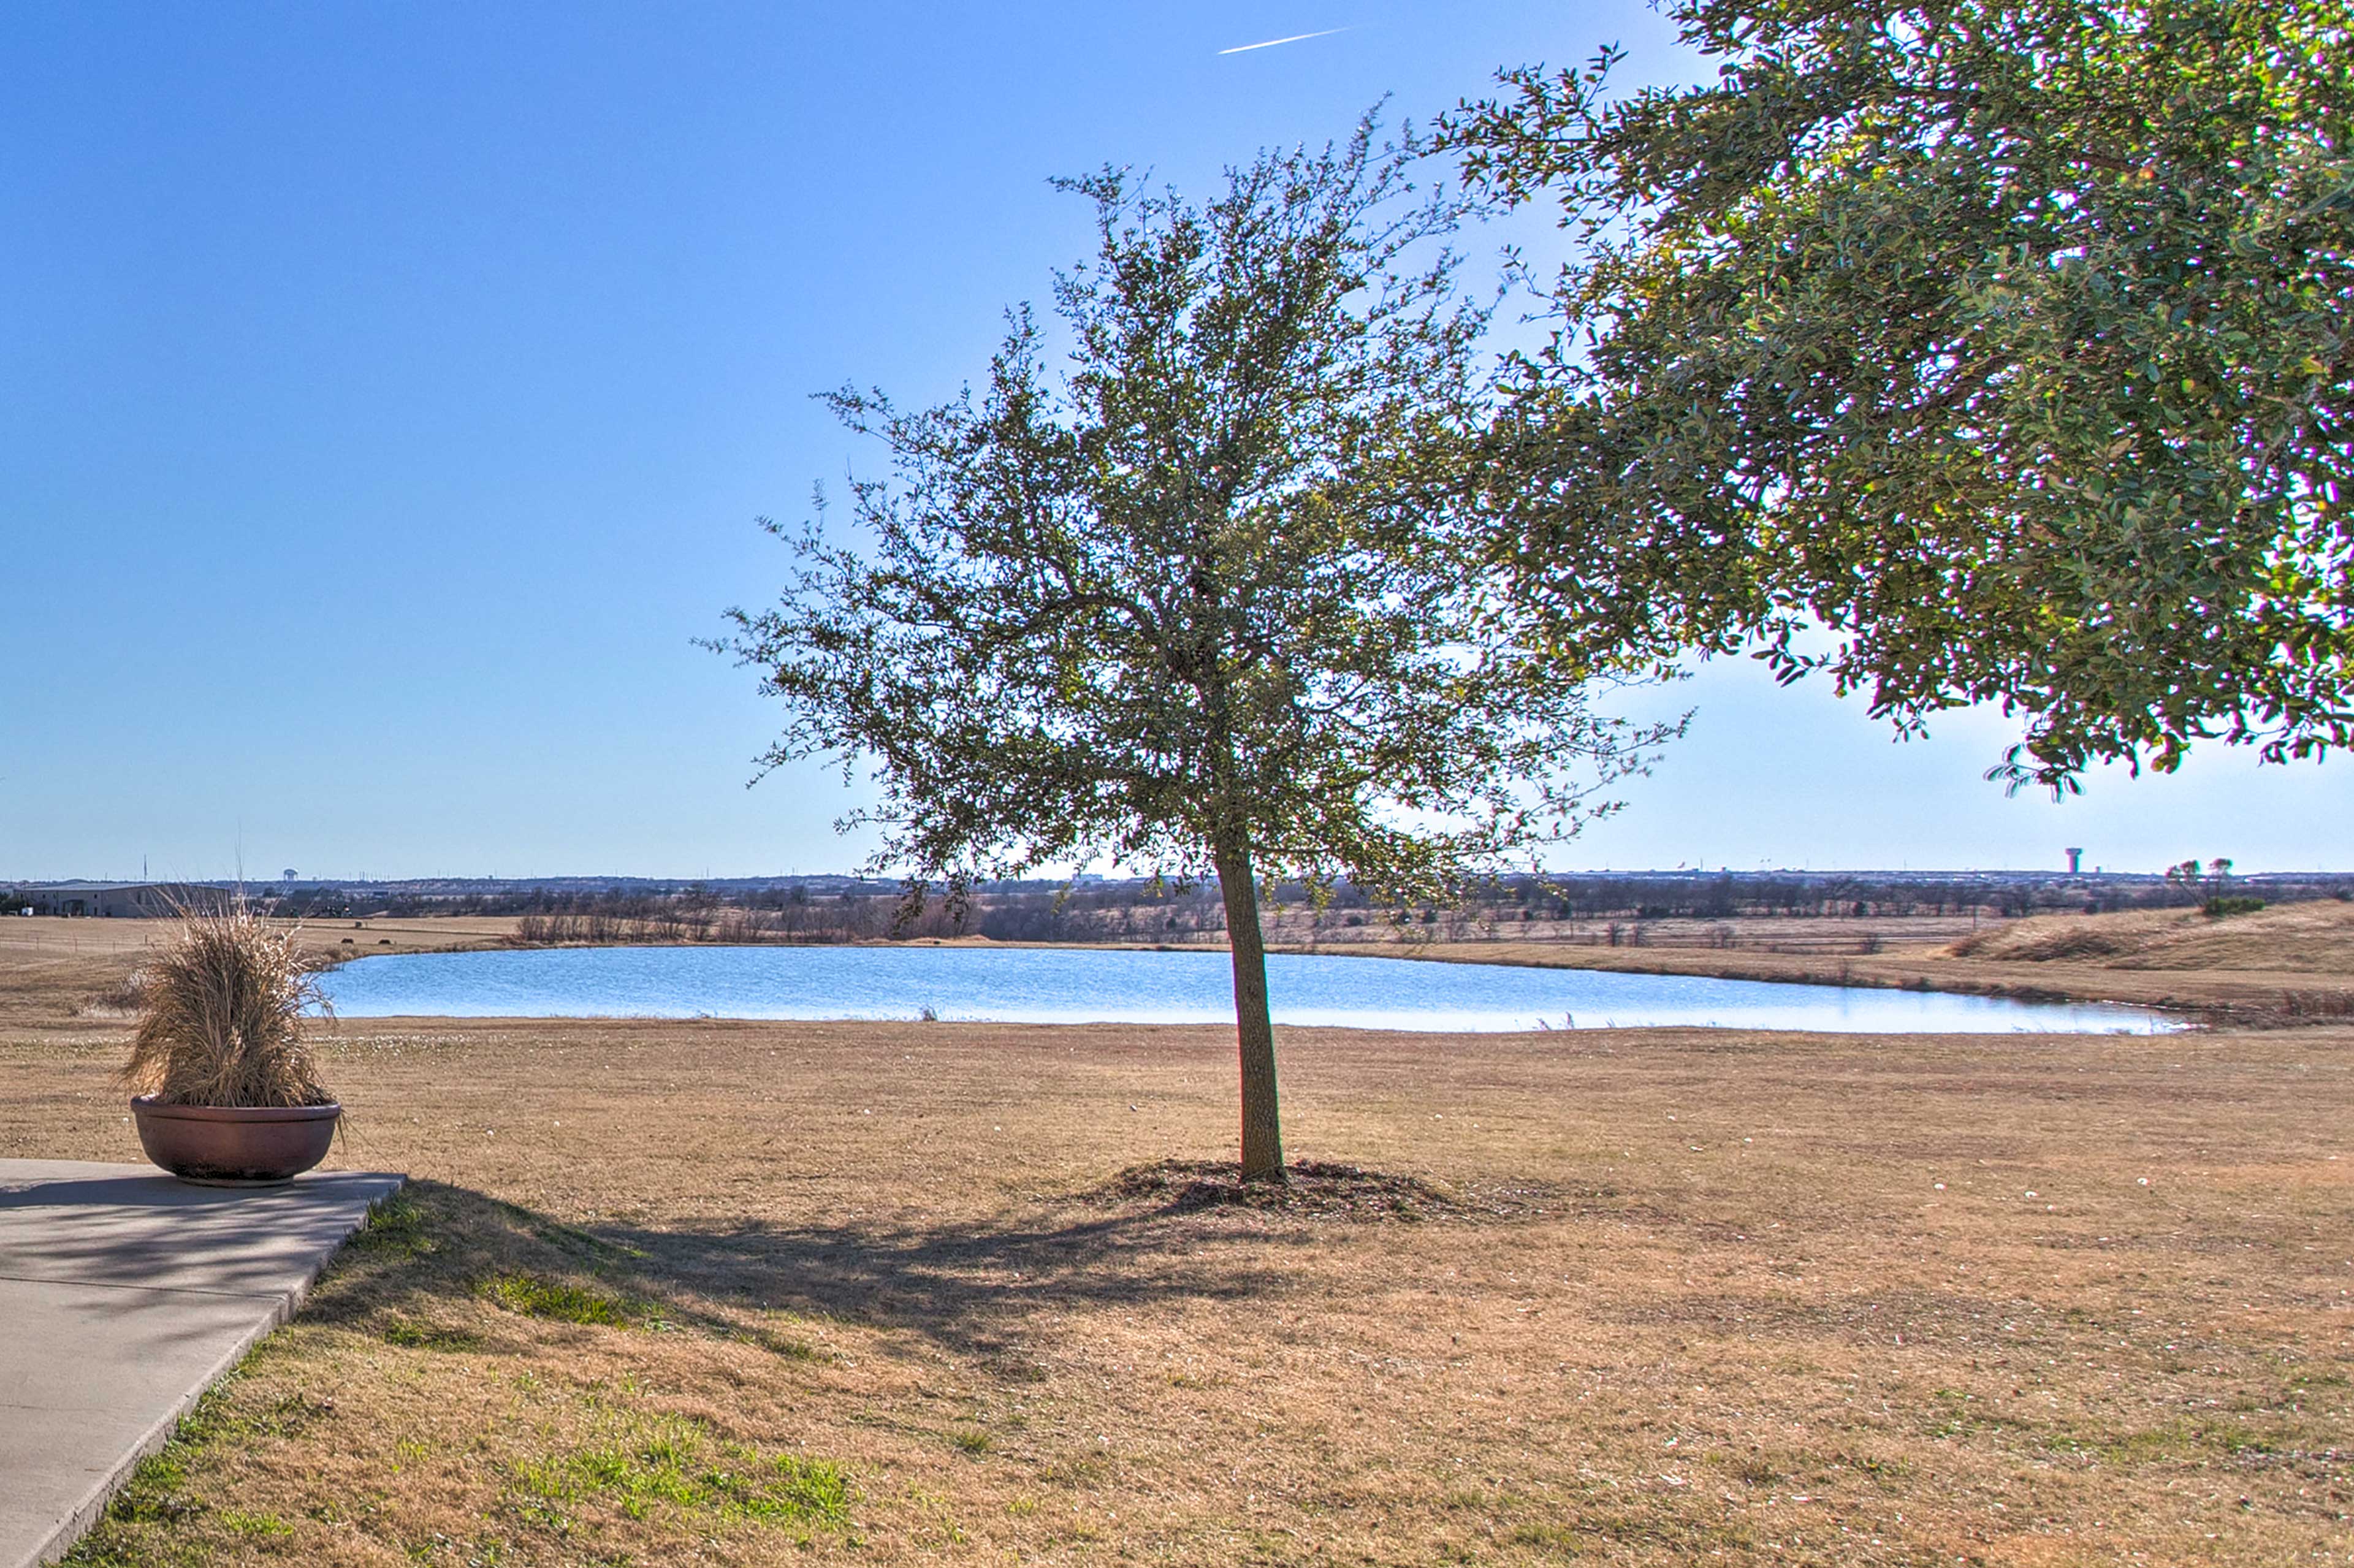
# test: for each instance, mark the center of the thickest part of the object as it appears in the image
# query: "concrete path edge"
(92, 1506)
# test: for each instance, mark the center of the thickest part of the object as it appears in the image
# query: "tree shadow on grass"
(967, 1286)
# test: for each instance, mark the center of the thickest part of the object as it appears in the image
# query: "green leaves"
(2009, 342)
(1214, 581)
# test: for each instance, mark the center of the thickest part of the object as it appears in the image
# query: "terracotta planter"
(230, 1146)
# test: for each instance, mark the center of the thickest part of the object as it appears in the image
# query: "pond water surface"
(1057, 985)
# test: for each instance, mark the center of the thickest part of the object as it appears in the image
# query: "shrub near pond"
(225, 1088)
(221, 1016)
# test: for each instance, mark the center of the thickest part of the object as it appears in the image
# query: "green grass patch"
(252, 1526)
(658, 1462)
(395, 1229)
(530, 1296)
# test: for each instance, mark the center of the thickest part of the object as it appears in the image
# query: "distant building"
(2075, 863)
(107, 900)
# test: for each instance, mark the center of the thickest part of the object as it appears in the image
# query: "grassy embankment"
(2294, 962)
(756, 1293)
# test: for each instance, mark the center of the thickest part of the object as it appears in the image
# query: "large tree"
(1974, 350)
(1198, 603)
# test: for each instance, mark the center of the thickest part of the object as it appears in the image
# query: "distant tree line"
(1139, 911)
(1521, 908)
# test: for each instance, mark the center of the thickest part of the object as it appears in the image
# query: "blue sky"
(386, 394)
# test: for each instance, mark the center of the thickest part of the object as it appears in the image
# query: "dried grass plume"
(221, 1016)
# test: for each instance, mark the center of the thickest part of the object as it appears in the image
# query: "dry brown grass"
(2311, 938)
(1699, 1297)
(53, 970)
(2287, 964)
(220, 1008)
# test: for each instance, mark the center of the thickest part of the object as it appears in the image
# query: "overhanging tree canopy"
(1199, 603)
(2008, 340)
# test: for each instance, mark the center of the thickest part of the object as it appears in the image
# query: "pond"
(1063, 985)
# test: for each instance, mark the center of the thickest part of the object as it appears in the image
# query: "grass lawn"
(746, 1293)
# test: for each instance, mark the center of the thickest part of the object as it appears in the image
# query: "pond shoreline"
(1900, 968)
(2287, 976)
(1038, 983)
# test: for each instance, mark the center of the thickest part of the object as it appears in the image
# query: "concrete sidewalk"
(123, 1294)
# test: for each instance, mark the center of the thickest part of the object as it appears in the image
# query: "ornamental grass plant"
(221, 1014)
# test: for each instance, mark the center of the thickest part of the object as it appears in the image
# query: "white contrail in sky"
(1295, 38)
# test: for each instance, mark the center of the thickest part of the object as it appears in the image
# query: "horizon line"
(1680, 871)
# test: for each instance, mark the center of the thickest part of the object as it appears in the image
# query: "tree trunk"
(1262, 1122)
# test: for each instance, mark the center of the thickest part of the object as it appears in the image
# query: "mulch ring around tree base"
(1312, 1188)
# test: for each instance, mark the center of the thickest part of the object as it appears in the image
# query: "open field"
(52, 969)
(762, 1293)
